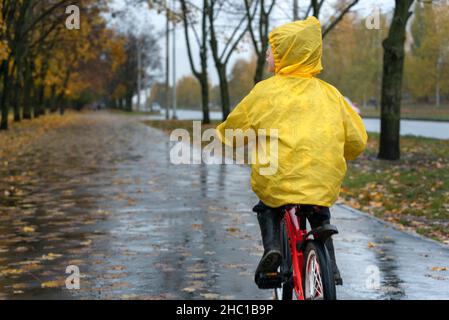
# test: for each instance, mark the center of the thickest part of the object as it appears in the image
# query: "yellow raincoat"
(318, 131)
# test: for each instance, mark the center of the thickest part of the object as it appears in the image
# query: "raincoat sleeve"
(355, 132)
(237, 119)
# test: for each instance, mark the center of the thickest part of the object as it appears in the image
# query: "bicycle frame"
(297, 234)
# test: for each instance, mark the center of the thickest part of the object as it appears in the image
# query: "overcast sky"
(143, 20)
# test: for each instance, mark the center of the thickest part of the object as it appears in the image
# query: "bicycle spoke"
(313, 279)
(318, 282)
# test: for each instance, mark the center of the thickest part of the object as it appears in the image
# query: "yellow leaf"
(371, 244)
(8, 272)
(375, 204)
(28, 229)
(86, 243)
(51, 284)
(439, 269)
(51, 256)
(211, 296)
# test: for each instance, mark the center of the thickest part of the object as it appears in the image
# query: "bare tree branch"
(339, 17)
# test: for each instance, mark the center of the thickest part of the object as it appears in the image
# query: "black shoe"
(270, 262)
(267, 268)
(269, 222)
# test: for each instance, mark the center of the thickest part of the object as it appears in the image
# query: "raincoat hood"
(297, 48)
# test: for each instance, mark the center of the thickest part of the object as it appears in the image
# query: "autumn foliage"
(46, 66)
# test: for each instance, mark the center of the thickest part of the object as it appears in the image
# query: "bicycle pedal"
(271, 280)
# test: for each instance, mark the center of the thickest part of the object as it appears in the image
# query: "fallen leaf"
(18, 286)
(210, 295)
(120, 285)
(86, 243)
(439, 269)
(51, 256)
(9, 272)
(28, 229)
(51, 284)
(118, 268)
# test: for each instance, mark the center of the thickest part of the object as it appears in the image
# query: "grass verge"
(412, 192)
(415, 112)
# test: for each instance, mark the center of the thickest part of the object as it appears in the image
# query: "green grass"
(415, 111)
(412, 192)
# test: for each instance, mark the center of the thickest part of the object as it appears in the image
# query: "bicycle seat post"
(302, 216)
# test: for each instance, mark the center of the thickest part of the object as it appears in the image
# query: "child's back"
(316, 126)
(317, 131)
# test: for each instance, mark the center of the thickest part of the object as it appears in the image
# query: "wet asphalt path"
(103, 196)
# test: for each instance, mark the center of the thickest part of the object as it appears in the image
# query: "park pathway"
(104, 197)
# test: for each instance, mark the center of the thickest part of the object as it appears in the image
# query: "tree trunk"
(438, 81)
(52, 102)
(392, 82)
(202, 76)
(129, 102)
(224, 91)
(261, 57)
(16, 91)
(16, 103)
(61, 103)
(17, 69)
(40, 107)
(4, 99)
(260, 65)
(167, 65)
(28, 79)
(316, 8)
(295, 10)
(61, 97)
(205, 99)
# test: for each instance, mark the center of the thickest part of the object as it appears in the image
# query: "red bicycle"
(305, 272)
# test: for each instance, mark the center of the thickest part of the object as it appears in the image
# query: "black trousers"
(316, 215)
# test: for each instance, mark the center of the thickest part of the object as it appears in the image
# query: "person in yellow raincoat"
(317, 131)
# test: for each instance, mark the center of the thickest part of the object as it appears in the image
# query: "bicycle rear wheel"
(318, 278)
